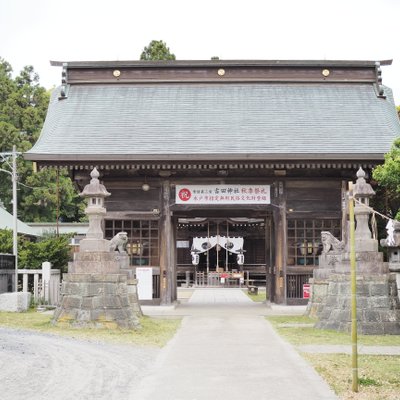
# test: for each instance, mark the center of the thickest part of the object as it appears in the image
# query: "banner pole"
(354, 353)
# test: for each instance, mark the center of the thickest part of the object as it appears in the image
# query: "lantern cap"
(361, 188)
(95, 188)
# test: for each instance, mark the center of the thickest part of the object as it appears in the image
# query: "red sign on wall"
(223, 194)
(184, 194)
(306, 291)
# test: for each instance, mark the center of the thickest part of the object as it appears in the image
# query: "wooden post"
(167, 249)
(280, 244)
(268, 260)
(173, 261)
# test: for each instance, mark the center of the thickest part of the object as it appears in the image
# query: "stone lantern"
(363, 192)
(96, 292)
(378, 306)
(95, 192)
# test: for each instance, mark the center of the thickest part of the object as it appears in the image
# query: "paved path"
(231, 353)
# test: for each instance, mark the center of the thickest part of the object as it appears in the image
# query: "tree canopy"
(388, 177)
(23, 107)
(31, 255)
(157, 50)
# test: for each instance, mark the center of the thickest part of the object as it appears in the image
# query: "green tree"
(23, 103)
(53, 249)
(157, 50)
(23, 107)
(6, 241)
(41, 203)
(31, 255)
(388, 177)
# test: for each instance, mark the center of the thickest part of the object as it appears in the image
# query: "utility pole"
(15, 216)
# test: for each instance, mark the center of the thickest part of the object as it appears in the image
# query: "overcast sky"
(32, 32)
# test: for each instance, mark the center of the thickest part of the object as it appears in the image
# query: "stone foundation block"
(344, 315)
(111, 302)
(362, 289)
(344, 289)
(391, 328)
(71, 302)
(370, 316)
(378, 306)
(378, 302)
(370, 328)
(70, 288)
(379, 289)
(83, 315)
(331, 301)
(96, 293)
(392, 316)
(362, 302)
(88, 303)
(333, 289)
(112, 278)
(15, 302)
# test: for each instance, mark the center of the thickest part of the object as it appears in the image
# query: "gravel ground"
(42, 366)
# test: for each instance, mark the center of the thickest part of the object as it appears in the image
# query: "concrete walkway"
(226, 350)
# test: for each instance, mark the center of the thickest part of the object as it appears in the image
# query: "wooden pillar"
(269, 262)
(173, 261)
(280, 243)
(167, 249)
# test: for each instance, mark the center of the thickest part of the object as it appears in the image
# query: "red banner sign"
(223, 194)
(306, 291)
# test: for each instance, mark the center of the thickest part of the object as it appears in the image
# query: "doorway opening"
(224, 252)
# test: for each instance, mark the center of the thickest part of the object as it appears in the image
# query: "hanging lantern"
(195, 258)
(240, 259)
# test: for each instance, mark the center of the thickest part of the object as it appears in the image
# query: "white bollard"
(46, 271)
(25, 282)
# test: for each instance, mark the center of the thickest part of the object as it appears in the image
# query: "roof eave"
(208, 63)
(202, 157)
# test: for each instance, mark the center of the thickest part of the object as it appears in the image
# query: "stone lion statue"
(329, 242)
(118, 242)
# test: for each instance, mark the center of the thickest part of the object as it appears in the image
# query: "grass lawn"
(260, 297)
(285, 325)
(379, 376)
(154, 332)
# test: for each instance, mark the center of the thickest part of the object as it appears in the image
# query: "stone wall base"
(100, 300)
(318, 293)
(378, 307)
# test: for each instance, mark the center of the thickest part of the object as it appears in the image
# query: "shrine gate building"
(221, 171)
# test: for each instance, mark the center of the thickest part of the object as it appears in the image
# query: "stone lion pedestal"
(378, 306)
(96, 291)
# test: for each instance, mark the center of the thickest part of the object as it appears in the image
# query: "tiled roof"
(7, 222)
(252, 120)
